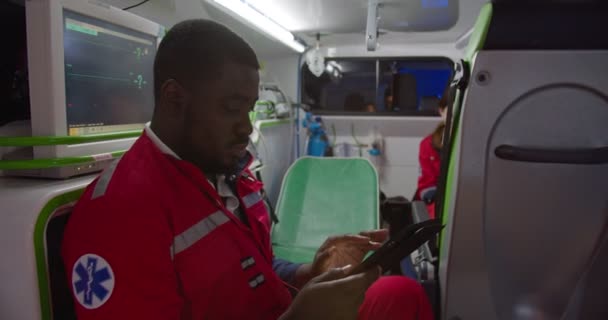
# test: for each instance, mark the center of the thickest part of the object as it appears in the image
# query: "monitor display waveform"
(108, 75)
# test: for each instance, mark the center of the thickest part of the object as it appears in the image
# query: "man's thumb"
(333, 274)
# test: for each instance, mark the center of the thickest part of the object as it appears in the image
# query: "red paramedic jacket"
(151, 239)
(430, 164)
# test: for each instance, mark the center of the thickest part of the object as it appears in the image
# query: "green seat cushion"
(321, 197)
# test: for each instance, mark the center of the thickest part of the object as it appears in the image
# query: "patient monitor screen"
(108, 76)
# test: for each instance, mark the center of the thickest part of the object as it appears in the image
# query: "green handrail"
(52, 163)
(63, 140)
(70, 140)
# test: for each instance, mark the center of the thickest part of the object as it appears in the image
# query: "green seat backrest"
(321, 197)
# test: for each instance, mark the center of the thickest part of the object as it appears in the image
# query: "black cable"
(135, 5)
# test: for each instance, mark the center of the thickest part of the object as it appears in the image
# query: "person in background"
(176, 229)
(388, 100)
(370, 108)
(430, 161)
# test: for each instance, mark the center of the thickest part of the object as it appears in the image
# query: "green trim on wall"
(50, 163)
(449, 191)
(480, 31)
(476, 43)
(63, 140)
(39, 248)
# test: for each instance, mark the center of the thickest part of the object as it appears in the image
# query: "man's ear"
(174, 97)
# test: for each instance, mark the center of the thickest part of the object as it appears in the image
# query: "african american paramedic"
(176, 229)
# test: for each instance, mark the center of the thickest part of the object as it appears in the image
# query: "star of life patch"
(92, 281)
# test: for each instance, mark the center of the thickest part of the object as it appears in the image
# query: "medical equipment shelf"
(70, 140)
(63, 140)
(60, 140)
(54, 162)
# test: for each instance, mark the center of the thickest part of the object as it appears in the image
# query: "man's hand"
(340, 251)
(332, 295)
(379, 235)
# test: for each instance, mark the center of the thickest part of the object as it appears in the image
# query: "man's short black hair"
(195, 50)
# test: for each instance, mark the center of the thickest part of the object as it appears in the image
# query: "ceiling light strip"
(262, 23)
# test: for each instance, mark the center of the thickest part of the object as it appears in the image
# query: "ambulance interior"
(348, 90)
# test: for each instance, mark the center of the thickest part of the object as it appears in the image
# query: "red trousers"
(396, 298)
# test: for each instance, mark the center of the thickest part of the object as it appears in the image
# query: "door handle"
(564, 156)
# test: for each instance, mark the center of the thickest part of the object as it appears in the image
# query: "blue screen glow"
(428, 4)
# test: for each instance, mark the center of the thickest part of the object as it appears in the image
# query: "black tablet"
(400, 246)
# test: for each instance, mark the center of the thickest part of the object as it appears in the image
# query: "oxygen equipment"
(375, 151)
(272, 104)
(317, 144)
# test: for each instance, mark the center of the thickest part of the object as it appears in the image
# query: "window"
(411, 87)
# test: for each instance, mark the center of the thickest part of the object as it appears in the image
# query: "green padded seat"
(321, 197)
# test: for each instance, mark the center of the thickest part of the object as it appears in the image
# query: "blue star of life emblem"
(92, 281)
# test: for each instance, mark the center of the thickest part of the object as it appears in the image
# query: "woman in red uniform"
(430, 162)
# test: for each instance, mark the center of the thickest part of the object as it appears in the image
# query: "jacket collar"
(159, 143)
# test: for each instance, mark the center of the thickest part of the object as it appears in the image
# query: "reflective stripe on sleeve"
(104, 180)
(198, 231)
(251, 199)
